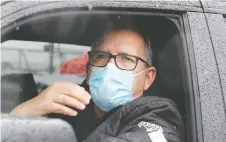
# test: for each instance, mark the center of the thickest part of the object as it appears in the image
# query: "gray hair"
(148, 50)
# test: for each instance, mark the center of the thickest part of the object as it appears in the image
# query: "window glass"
(57, 50)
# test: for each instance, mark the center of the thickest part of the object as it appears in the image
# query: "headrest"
(15, 89)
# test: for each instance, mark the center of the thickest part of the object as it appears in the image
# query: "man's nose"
(112, 61)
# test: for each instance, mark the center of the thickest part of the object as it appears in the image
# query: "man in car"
(109, 105)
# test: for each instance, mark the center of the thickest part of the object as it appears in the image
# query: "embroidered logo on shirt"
(150, 127)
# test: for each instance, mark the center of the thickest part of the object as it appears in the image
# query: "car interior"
(83, 28)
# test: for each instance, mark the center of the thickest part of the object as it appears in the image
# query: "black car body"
(191, 61)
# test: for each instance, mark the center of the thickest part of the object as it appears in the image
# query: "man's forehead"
(123, 34)
(124, 41)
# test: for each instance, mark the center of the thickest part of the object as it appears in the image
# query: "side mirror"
(35, 129)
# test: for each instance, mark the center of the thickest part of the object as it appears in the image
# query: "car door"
(200, 59)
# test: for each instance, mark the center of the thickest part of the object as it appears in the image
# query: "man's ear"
(150, 77)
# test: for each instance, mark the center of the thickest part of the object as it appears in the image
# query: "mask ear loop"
(138, 96)
(139, 72)
(141, 92)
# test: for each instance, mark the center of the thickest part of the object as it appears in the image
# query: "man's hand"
(56, 99)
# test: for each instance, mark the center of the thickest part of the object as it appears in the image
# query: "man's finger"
(58, 108)
(69, 101)
(81, 94)
(73, 90)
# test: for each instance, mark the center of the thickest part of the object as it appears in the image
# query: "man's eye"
(127, 58)
(101, 56)
(98, 57)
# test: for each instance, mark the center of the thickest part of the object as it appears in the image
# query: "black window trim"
(194, 102)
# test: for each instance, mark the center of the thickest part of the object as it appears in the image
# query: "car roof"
(11, 9)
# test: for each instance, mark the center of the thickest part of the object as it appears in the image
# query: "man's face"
(131, 43)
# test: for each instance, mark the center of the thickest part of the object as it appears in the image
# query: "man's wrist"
(27, 109)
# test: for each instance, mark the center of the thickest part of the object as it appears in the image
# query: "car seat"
(169, 81)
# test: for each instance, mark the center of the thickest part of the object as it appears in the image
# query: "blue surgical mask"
(111, 87)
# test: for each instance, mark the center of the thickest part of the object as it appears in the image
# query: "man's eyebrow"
(125, 53)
